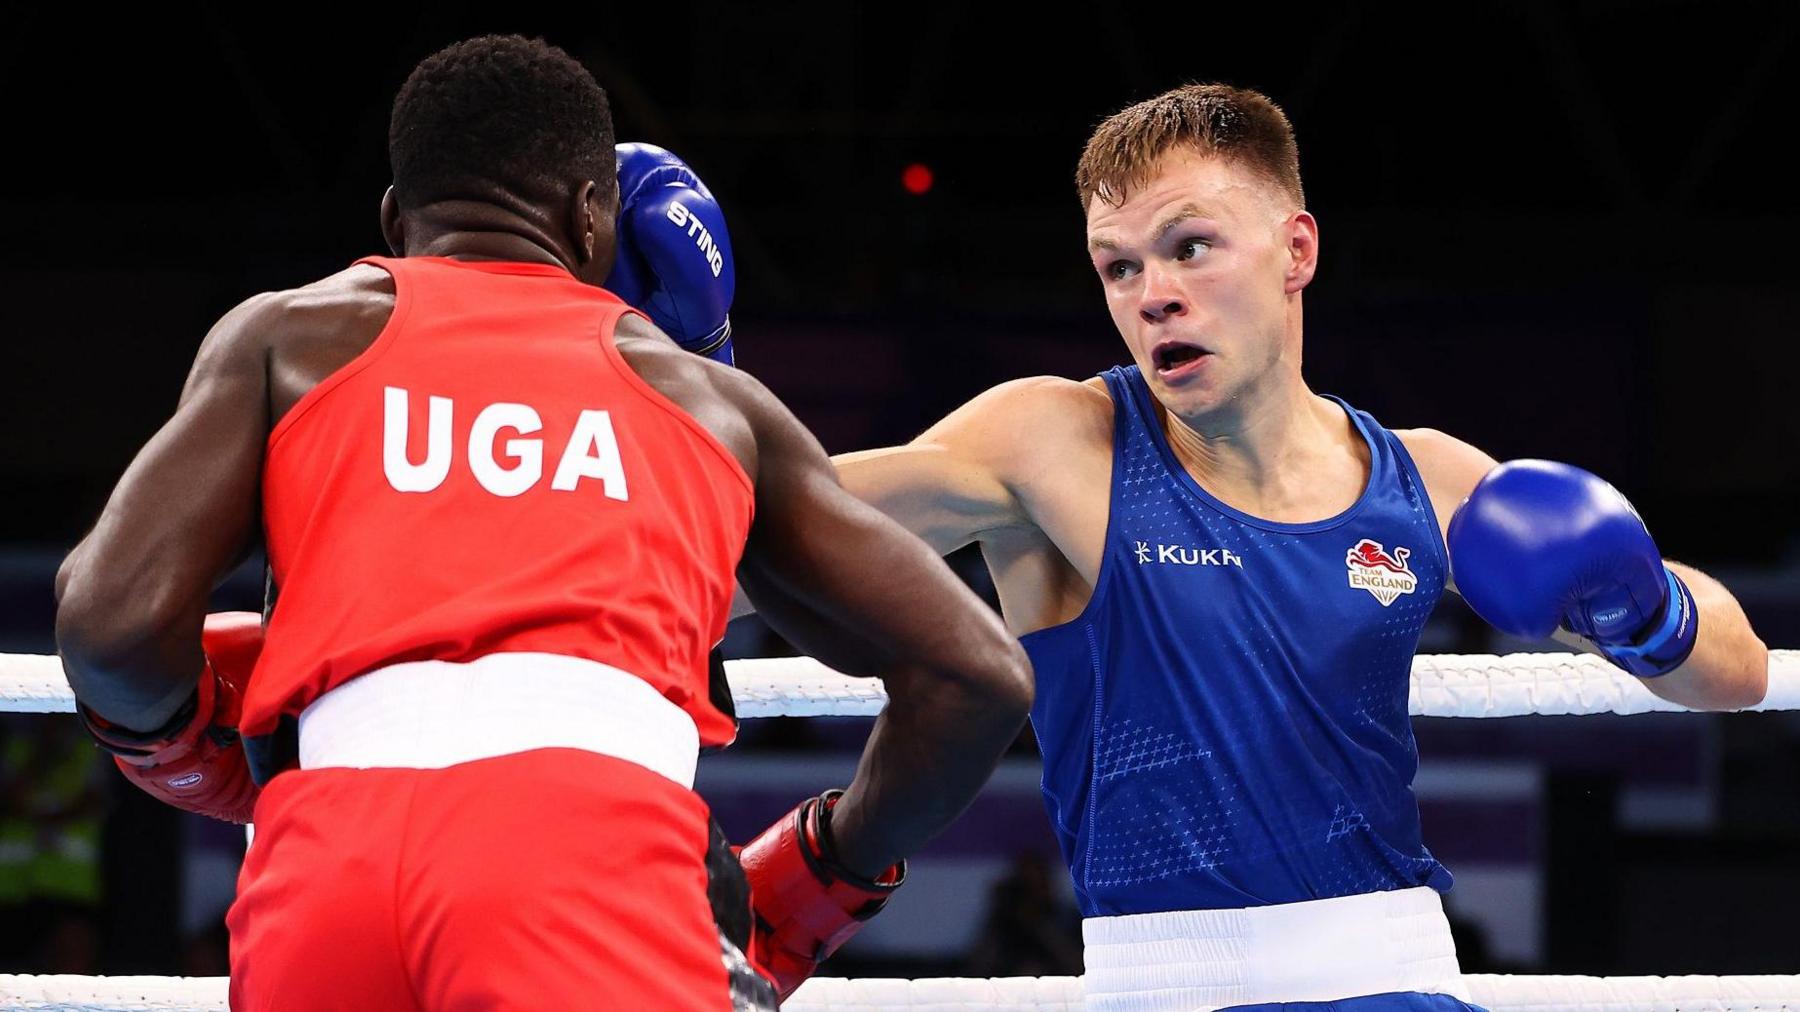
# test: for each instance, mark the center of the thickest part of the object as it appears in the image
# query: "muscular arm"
(132, 595)
(850, 587)
(1729, 667)
(961, 476)
(1016, 469)
(847, 585)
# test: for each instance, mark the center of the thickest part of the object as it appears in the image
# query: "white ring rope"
(1497, 993)
(1476, 685)
(1443, 685)
(116, 994)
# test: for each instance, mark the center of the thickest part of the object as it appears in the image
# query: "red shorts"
(548, 879)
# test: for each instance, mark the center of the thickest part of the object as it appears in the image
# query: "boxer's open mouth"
(1172, 356)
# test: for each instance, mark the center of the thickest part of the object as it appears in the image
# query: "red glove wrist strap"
(153, 748)
(821, 854)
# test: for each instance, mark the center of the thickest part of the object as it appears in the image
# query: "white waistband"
(1318, 950)
(432, 714)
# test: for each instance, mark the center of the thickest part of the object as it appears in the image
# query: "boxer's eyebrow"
(1188, 210)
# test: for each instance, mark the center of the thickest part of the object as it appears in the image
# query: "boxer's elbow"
(106, 641)
(1002, 683)
(986, 690)
(84, 634)
(65, 573)
(92, 645)
(1016, 685)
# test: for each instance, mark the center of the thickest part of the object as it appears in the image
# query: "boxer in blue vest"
(1221, 578)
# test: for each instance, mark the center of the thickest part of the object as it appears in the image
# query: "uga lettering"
(505, 467)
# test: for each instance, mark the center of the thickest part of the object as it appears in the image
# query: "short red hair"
(1237, 124)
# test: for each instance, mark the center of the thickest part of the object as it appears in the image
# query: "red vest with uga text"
(491, 476)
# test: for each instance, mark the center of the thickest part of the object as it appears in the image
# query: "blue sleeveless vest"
(1225, 724)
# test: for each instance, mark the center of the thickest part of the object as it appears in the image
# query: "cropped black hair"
(497, 114)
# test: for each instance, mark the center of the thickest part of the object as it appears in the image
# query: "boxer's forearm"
(847, 585)
(927, 757)
(1729, 668)
(133, 669)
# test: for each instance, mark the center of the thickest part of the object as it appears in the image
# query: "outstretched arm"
(132, 595)
(960, 477)
(1547, 549)
(850, 587)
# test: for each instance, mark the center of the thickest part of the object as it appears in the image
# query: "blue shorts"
(1395, 1002)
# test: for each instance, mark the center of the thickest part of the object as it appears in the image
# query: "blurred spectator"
(1029, 930)
(51, 805)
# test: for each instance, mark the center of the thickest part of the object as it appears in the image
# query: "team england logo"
(1375, 570)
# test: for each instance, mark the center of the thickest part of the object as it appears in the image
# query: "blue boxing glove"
(1540, 544)
(674, 255)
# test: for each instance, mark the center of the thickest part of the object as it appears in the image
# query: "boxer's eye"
(1119, 270)
(1188, 249)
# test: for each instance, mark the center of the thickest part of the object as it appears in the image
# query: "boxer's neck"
(1285, 454)
(476, 230)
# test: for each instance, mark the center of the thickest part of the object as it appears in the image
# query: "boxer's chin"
(1193, 388)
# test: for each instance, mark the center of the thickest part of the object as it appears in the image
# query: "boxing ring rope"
(1475, 685)
(1443, 685)
(1497, 993)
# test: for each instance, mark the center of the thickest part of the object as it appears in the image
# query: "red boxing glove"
(805, 904)
(197, 762)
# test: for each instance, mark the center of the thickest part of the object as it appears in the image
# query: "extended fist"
(1540, 544)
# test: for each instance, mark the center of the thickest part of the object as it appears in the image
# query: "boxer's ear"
(391, 228)
(1300, 236)
(593, 227)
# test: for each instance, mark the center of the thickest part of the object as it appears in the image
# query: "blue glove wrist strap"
(716, 345)
(1665, 647)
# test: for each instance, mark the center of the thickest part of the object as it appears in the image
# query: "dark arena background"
(1553, 230)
